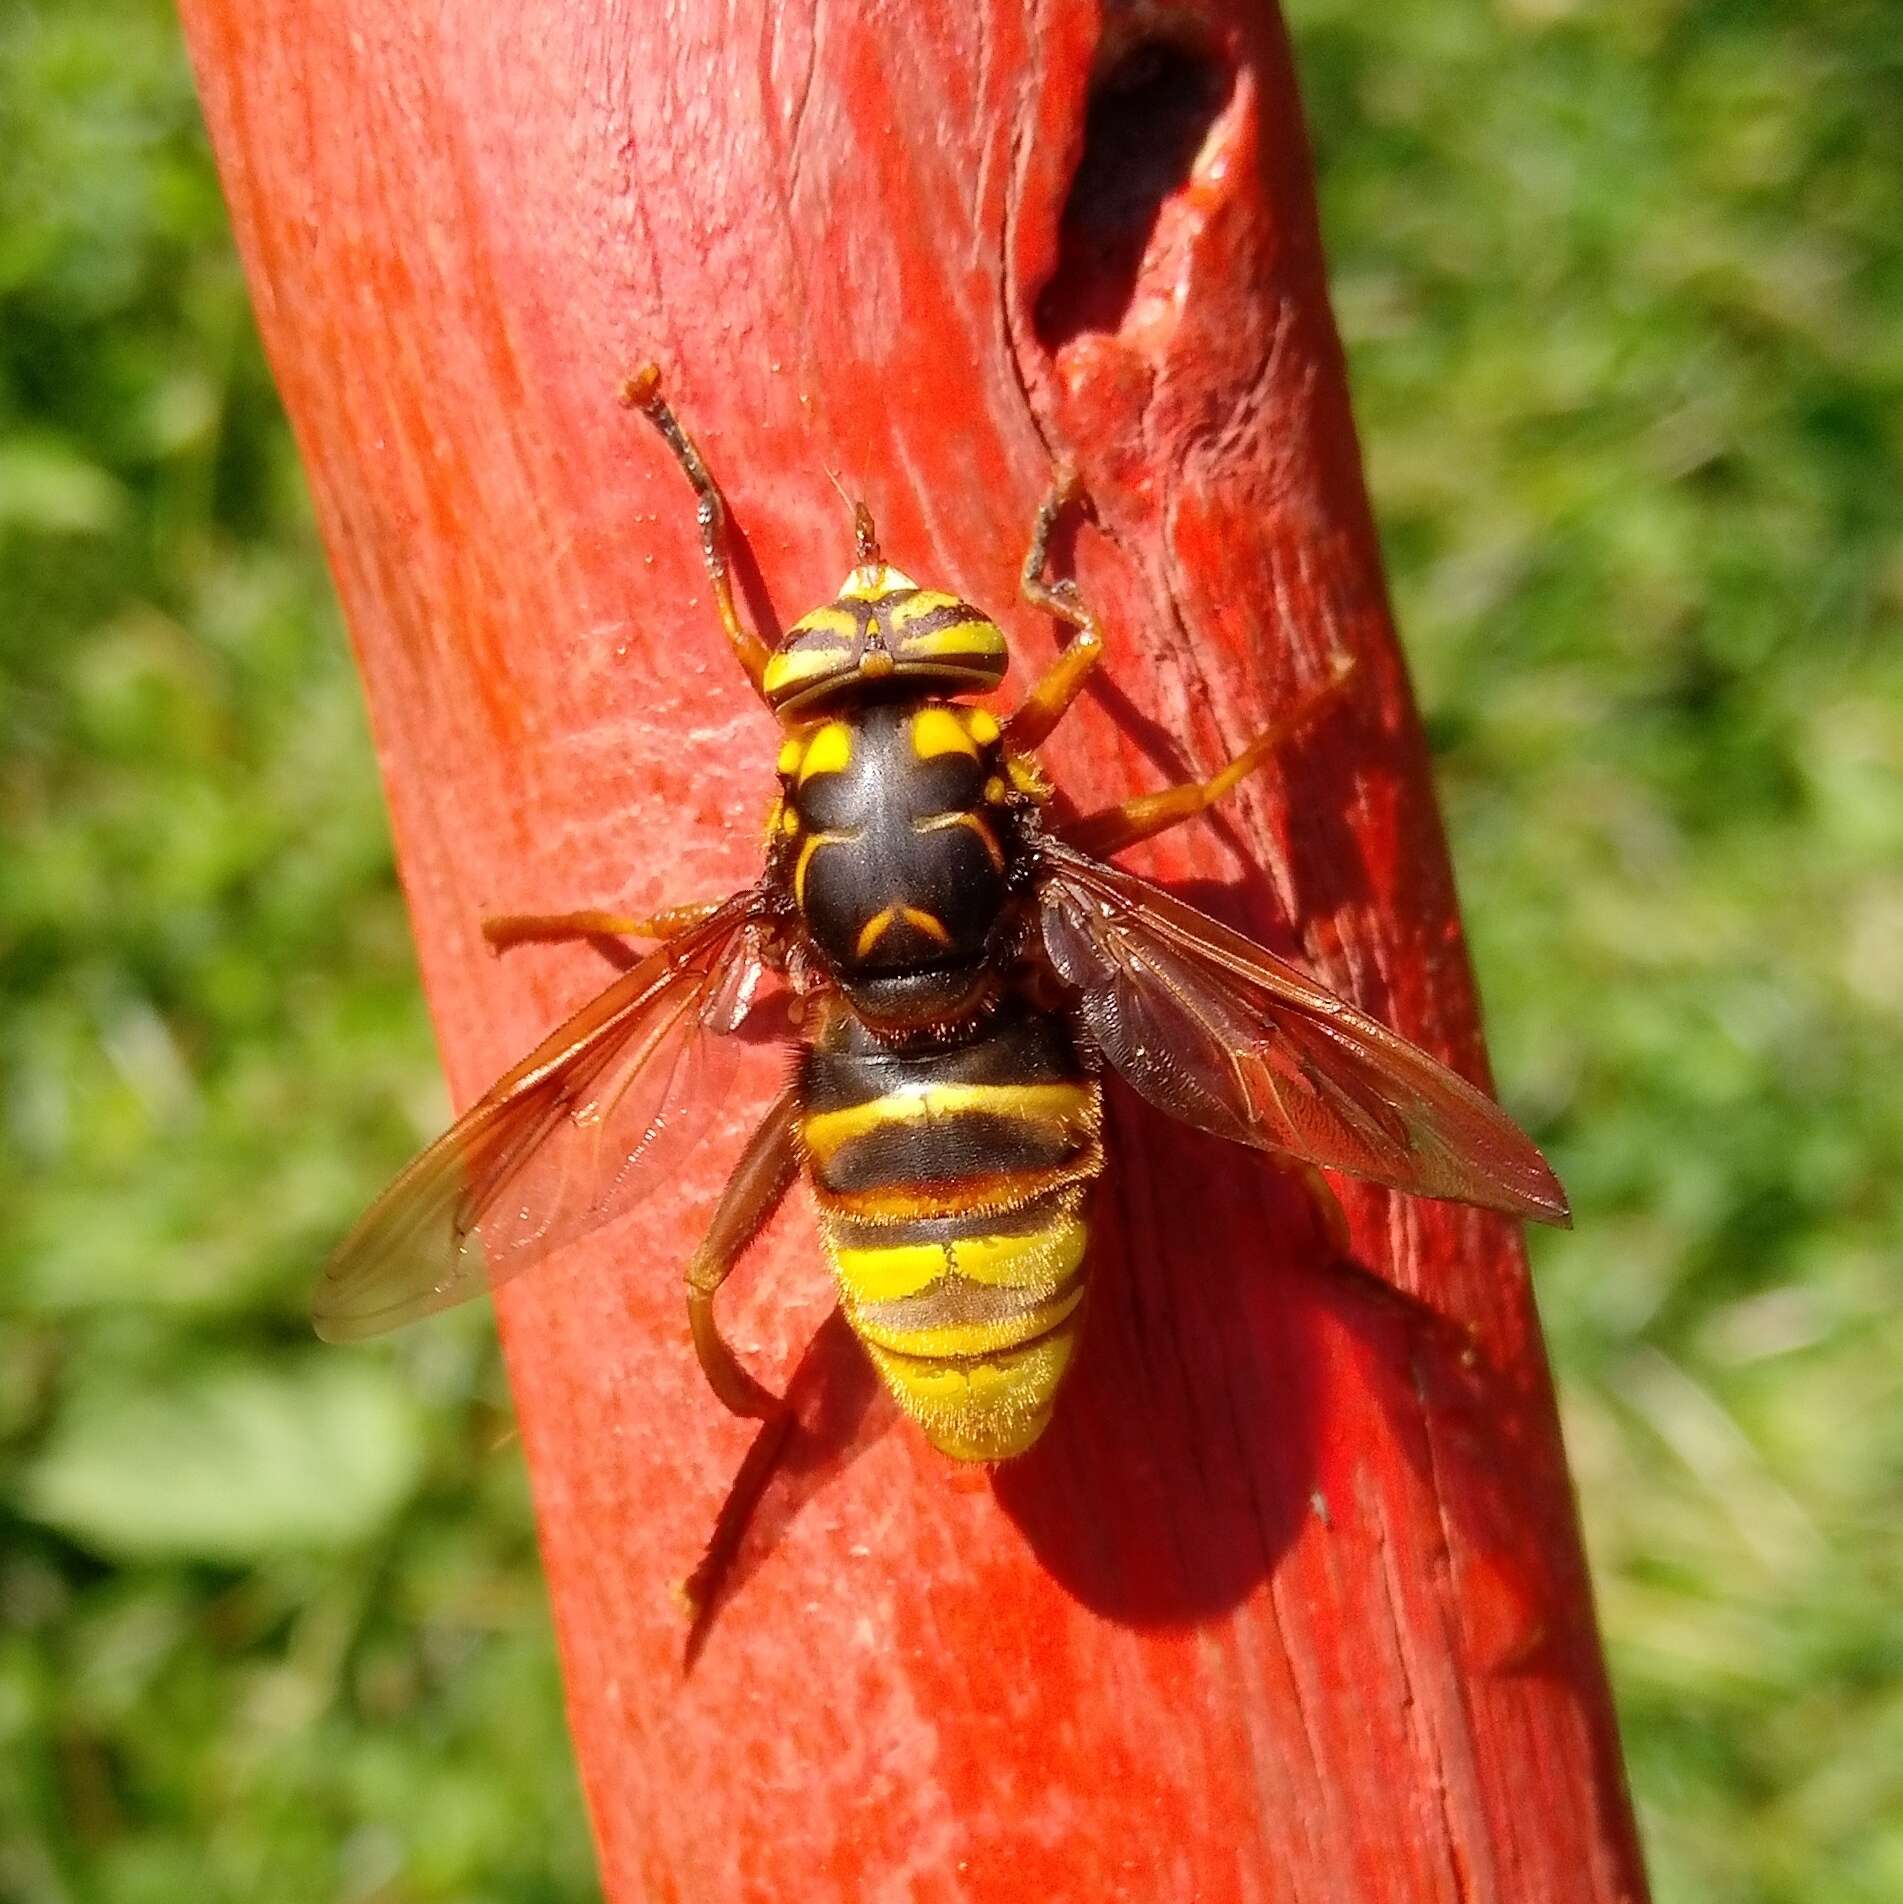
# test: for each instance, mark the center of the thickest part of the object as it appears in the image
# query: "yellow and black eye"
(932, 633)
(820, 653)
(883, 624)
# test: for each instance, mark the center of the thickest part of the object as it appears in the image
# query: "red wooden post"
(1289, 1603)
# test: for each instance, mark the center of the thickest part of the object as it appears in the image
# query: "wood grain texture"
(1289, 1603)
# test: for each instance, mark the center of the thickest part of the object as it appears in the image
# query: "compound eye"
(820, 650)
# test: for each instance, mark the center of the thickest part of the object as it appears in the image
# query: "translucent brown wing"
(576, 1134)
(1216, 1030)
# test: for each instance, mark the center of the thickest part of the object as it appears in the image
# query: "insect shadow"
(836, 1408)
(1177, 1470)
(1185, 1458)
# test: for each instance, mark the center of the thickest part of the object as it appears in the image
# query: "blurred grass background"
(1623, 290)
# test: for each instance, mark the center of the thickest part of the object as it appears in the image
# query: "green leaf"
(46, 485)
(231, 1464)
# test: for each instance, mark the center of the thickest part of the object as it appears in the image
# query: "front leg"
(1052, 694)
(642, 392)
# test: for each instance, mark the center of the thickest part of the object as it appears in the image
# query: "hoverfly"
(967, 968)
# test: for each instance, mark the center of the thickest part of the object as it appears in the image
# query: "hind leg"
(760, 1179)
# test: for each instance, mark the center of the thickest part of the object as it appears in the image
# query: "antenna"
(864, 536)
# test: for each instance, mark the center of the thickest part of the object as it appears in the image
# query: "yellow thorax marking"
(982, 725)
(928, 923)
(829, 751)
(937, 822)
(1071, 1105)
(1039, 1260)
(937, 730)
(813, 842)
(792, 752)
(880, 923)
(874, 930)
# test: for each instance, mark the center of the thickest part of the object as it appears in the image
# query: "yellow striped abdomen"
(951, 1187)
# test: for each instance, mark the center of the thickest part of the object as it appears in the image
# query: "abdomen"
(951, 1187)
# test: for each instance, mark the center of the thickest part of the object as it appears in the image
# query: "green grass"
(1623, 292)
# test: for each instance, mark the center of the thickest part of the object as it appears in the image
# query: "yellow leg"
(519, 928)
(642, 392)
(760, 1179)
(1050, 697)
(1149, 814)
(1334, 1219)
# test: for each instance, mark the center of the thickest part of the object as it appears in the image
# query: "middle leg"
(1149, 814)
(522, 928)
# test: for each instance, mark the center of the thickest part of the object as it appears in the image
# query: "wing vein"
(1220, 1032)
(532, 1165)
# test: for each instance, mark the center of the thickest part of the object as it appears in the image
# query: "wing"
(1216, 1030)
(573, 1136)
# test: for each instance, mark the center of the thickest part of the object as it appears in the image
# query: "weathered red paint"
(1289, 1603)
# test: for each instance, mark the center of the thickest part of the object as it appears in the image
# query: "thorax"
(898, 840)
